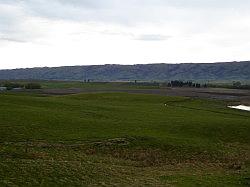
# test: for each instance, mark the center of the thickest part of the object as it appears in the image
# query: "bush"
(32, 86)
(11, 85)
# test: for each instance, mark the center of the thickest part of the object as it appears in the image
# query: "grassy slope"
(72, 140)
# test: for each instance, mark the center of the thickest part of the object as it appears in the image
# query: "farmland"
(121, 137)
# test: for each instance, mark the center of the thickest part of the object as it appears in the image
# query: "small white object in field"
(241, 107)
(165, 104)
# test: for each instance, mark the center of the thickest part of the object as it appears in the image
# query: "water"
(241, 107)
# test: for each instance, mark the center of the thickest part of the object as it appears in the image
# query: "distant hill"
(145, 72)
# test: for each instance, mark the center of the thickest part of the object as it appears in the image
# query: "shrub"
(32, 86)
(11, 85)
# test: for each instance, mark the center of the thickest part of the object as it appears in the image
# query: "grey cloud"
(12, 40)
(10, 21)
(152, 37)
(97, 4)
(121, 11)
(184, 15)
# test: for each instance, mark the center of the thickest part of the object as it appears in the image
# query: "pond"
(241, 107)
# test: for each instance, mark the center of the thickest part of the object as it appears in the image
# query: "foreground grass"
(121, 139)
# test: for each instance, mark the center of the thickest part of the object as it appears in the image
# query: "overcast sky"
(37, 33)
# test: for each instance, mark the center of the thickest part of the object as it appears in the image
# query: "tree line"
(13, 85)
(177, 83)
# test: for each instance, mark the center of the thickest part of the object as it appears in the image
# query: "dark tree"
(32, 86)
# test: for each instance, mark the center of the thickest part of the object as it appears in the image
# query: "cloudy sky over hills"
(83, 32)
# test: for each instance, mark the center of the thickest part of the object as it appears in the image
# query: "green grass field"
(120, 139)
